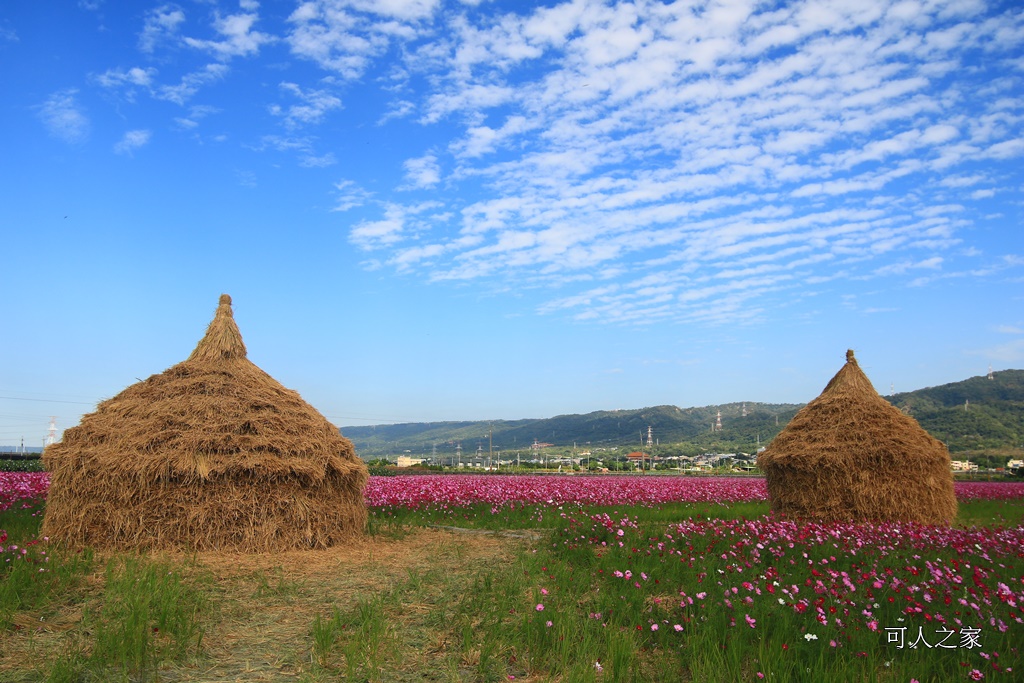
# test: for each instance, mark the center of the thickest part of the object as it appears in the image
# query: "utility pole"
(490, 445)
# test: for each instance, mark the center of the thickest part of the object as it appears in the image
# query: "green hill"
(601, 429)
(975, 414)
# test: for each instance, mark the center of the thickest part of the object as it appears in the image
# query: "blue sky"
(430, 210)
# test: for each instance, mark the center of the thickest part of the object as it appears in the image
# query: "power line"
(46, 400)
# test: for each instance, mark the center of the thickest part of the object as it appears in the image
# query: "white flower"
(810, 636)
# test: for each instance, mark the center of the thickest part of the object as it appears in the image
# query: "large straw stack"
(849, 455)
(213, 453)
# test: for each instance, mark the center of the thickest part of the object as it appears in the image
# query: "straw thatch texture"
(213, 453)
(849, 455)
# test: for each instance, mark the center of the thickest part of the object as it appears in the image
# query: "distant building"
(406, 461)
(962, 465)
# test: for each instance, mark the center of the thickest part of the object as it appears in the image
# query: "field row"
(416, 491)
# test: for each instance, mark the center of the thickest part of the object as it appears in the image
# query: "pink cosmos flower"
(539, 607)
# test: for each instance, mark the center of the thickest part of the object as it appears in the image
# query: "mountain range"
(980, 414)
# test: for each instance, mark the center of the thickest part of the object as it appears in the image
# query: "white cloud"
(127, 79)
(1009, 353)
(314, 105)
(161, 25)
(399, 222)
(131, 141)
(196, 114)
(343, 36)
(369, 235)
(238, 39)
(63, 116)
(302, 146)
(422, 172)
(322, 161)
(191, 83)
(350, 195)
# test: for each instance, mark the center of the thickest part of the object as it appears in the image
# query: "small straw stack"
(850, 455)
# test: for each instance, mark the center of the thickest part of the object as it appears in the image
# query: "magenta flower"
(539, 607)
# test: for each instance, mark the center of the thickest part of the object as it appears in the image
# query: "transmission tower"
(51, 435)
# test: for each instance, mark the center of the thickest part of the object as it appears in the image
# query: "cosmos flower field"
(611, 588)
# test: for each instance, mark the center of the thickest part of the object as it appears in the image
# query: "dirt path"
(265, 606)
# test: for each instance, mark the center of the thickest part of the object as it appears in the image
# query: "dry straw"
(850, 455)
(213, 453)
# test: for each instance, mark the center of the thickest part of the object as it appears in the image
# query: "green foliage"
(978, 413)
(15, 464)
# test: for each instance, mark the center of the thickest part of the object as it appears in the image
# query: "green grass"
(146, 614)
(454, 617)
(36, 577)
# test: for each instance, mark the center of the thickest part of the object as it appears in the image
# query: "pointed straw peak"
(222, 341)
(851, 378)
